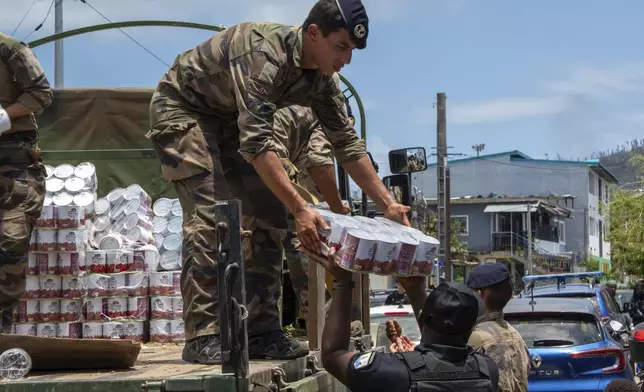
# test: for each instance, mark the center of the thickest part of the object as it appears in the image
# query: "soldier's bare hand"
(398, 213)
(307, 221)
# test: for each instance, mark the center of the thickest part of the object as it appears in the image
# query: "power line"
(23, 18)
(44, 20)
(126, 34)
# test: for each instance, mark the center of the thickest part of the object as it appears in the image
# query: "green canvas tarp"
(106, 127)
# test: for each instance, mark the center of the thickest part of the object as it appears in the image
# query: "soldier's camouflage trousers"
(22, 194)
(298, 266)
(263, 214)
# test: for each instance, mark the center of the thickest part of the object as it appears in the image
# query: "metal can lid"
(159, 224)
(176, 208)
(74, 184)
(132, 192)
(175, 224)
(101, 222)
(115, 195)
(162, 207)
(172, 241)
(63, 199)
(49, 170)
(132, 206)
(133, 234)
(158, 240)
(84, 199)
(64, 171)
(54, 185)
(110, 242)
(48, 200)
(131, 221)
(117, 211)
(85, 170)
(102, 206)
(170, 260)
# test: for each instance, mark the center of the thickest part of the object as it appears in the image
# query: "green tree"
(459, 248)
(627, 231)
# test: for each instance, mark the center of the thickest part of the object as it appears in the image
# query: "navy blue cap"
(355, 16)
(487, 275)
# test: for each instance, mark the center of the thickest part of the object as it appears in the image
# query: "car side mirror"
(615, 327)
(400, 186)
(408, 160)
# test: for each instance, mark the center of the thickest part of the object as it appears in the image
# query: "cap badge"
(359, 31)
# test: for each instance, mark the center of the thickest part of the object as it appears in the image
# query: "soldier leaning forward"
(212, 129)
(24, 92)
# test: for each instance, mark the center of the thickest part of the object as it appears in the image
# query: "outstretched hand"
(329, 263)
(398, 213)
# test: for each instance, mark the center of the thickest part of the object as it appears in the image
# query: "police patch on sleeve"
(363, 361)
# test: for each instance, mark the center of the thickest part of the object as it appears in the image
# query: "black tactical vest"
(431, 374)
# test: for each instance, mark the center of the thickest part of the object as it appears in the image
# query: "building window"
(592, 184)
(562, 232)
(592, 225)
(464, 223)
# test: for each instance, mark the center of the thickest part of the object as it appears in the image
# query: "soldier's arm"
(319, 163)
(349, 149)
(476, 339)
(254, 75)
(36, 92)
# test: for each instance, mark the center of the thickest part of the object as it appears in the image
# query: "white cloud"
(588, 81)
(503, 109)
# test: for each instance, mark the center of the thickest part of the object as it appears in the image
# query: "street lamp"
(478, 148)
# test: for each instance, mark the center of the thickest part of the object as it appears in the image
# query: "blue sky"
(548, 77)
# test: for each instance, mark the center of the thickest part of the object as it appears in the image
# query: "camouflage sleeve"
(477, 339)
(254, 76)
(319, 151)
(36, 92)
(329, 107)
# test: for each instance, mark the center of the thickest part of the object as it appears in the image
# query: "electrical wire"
(23, 18)
(44, 20)
(126, 34)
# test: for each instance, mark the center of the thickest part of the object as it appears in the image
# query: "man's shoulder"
(9, 46)
(377, 371)
(271, 38)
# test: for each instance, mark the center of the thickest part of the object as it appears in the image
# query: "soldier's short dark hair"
(327, 16)
(621, 386)
(498, 295)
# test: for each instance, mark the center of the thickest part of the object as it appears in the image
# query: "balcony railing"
(517, 245)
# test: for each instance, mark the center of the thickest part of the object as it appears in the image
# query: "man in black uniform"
(397, 297)
(442, 361)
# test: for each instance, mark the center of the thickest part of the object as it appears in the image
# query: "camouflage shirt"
(243, 75)
(22, 80)
(506, 347)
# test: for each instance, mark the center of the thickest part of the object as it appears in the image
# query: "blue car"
(570, 349)
(560, 285)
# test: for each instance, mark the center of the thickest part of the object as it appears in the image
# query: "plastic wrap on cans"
(425, 255)
(112, 241)
(96, 261)
(87, 172)
(32, 287)
(117, 285)
(71, 310)
(47, 263)
(97, 285)
(177, 330)
(102, 207)
(133, 330)
(74, 185)
(33, 240)
(357, 250)
(92, 330)
(170, 260)
(160, 331)
(50, 310)
(101, 223)
(176, 208)
(159, 225)
(384, 255)
(162, 207)
(47, 240)
(51, 286)
(138, 207)
(338, 228)
(135, 192)
(137, 308)
(32, 264)
(139, 235)
(177, 307)
(49, 172)
(138, 284)
(175, 225)
(145, 259)
(63, 171)
(172, 242)
(71, 263)
(73, 330)
(69, 215)
(71, 240)
(325, 234)
(29, 329)
(115, 197)
(46, 330)
(72, 287)
(95, 309)
(85, 201)
(118, 260)
(117, 307)
(161, 307)
(404, 255)
(54, 185)
(49, 214)
(133, 220)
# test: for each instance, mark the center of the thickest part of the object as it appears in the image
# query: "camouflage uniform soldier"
(493, 334)
(24, 91)
(311, 154)
(212, 129)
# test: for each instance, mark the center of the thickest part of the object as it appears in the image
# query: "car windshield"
(555, 331)
(408, 325)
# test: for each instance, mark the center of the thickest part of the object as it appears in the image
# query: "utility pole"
(478, 148)
(58, 46)
(529, 228)
(442, 223)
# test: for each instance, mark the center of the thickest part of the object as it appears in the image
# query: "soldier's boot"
(205, 350)
(276, 345)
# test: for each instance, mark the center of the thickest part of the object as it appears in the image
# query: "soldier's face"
(332, 52)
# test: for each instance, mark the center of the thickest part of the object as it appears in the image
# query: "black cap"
(487, 275)
(355, 16)
(451, 309)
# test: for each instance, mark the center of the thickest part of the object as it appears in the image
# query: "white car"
(404, 314)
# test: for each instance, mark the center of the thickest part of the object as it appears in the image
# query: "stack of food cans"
(166, 324)
(167, 226)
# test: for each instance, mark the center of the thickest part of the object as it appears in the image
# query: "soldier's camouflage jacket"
(506, 347)
(240, 78)
(22, 80)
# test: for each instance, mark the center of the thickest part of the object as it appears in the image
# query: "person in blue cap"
(492, 333)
